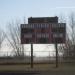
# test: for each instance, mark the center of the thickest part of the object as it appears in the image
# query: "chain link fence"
(38, 57)
(46, 57)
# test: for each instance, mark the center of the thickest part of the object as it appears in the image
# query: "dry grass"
(24, 67)
(37, 67)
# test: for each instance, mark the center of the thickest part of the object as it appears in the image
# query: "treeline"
(12, 36)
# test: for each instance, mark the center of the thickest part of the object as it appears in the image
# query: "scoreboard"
(43, 33)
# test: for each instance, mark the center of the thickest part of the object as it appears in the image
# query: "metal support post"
(31, 55)
(56, 55)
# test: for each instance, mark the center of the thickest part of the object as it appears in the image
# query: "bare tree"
(13, 38)
(62, 18)
(72, 27)
(72, 35)
(2, 37)
(69, 47)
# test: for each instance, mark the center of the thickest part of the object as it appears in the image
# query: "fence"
(38, 57)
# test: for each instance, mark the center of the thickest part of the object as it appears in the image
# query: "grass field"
(37, 67)
(19, 65)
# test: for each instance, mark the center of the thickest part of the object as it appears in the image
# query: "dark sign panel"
(43, 33)
(43, 20)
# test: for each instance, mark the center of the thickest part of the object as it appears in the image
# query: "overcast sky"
(18, 9)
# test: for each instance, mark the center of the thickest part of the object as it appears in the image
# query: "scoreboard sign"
(43, 33)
